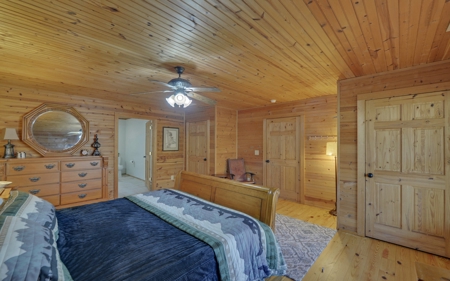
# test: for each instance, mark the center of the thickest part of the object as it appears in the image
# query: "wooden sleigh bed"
(257, 201)
(135, 239)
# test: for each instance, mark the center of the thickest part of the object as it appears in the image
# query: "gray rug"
(301, 243)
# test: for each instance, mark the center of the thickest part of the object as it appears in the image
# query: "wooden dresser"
(63, 181)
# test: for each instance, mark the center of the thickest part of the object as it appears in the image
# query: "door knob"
(267, 161)
(370, 175)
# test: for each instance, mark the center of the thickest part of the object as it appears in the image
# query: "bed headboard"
(257, 201)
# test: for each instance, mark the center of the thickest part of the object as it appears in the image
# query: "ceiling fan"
(182, 90)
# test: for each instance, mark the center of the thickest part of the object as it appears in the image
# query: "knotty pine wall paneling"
(202, 114)
(415, 80)
(226, 138)
(168, 163)
(17, 101)
(320, 120)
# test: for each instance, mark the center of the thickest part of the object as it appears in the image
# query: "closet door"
(407, 171)
(197, 147)
(282, 156)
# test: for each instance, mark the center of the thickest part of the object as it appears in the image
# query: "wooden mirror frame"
(30, 118)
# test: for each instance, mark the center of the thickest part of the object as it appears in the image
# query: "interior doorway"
(283, 156)
(404, 142)
(198, 143)
(134, 146)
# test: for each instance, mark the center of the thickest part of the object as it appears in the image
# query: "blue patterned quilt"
(245, 248)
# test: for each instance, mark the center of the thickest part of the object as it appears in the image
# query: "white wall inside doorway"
(132, 146)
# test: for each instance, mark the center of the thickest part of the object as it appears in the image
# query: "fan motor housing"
(179, 83)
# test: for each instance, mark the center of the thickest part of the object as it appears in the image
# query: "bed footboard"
(257, 201)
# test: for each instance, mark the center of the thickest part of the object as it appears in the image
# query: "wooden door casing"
(197, 139)
(407, 152)
(282, 156)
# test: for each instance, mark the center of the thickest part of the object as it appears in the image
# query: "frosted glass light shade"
(179, 99)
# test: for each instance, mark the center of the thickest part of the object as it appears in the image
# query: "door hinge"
(150, 153)
(150, 179)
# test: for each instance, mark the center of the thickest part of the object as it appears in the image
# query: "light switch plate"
(256, 152)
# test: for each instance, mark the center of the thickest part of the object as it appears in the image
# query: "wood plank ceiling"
(254, 51)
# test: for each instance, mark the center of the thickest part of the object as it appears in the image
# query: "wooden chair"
(236, 170)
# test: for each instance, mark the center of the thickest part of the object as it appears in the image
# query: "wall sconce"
(9, 134)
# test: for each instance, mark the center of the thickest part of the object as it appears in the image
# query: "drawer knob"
(82, 174)
(81, 196)
(35, 191)
(34, 179)
(94, 164)
(18, 168)
(82, 185)
(50, 166)
(70, 165)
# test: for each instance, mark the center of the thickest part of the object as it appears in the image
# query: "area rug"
(301, 243)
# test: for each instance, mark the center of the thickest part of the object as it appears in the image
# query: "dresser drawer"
(80, 165)
(76, 186)
(54, 199)
(32, 168)
(81, 175)
(33, 179)
(41, 190)
(81, 196)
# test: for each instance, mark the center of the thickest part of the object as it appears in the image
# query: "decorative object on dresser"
(63, 181)
(9, 134)
(96, 145)
(84, 152)
(55, 130)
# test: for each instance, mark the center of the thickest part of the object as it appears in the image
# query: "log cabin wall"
(320, 120)
(168, 163)
(202, 114)
(414, 80)
(17, 101)
(226, 138)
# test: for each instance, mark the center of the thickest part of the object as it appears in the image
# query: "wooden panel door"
(282, 156)
(197, 147)
(407, 168)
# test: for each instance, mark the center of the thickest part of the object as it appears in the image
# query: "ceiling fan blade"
(201, 98)
(143, 93)
(162, 83)
(203, 89)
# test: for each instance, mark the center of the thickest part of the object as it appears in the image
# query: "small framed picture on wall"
(170, 139)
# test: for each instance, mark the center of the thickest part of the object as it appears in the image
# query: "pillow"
(28, 251)
(28, 206)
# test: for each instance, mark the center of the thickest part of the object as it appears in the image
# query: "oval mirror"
(55, 130)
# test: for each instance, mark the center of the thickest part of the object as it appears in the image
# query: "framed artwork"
(170, 139)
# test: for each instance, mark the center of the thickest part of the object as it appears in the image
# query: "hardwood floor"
(353, 258)
(307, 213)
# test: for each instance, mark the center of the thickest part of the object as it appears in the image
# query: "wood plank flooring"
(353, 258)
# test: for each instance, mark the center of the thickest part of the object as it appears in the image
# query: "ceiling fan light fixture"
(180, 99)
(170, 100)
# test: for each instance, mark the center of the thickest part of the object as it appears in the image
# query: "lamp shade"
(9, 134)
(332, 148)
